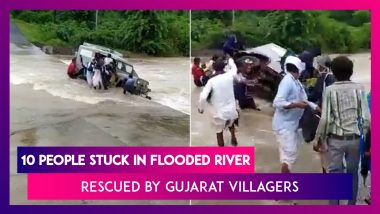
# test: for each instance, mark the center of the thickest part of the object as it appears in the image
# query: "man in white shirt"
(107, 75)
(231, 66)
(219, 92)
(289, 104)
(210, 65)
(108, 60)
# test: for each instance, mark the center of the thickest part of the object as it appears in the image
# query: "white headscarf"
(295, 61)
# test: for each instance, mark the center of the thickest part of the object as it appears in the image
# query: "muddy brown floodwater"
(255, 129)
(49, 109)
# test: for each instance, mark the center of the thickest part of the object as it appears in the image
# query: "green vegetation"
(37, 35)
(158, 33)
(333, 31)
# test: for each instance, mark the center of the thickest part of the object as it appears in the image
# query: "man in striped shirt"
(344, 105)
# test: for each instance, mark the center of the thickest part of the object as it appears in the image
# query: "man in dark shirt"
(325, 79)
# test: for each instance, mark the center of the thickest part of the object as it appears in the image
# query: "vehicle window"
(86, 53)
(119, 65)
(128, 68)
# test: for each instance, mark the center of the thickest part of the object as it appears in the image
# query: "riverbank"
(49, 44)
(61, 32)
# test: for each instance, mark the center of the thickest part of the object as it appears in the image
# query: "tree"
(145, 31)
(361, 17)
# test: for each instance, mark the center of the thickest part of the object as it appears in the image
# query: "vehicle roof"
(105, 51)
(271, 50)
(100, 48)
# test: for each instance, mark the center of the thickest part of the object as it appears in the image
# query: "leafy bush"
(332, 31)
(145, 31)
(178, 33)
(35, 16)
(361, 17)
(65, 32)
(150, 32)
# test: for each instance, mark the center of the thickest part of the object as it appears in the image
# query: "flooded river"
(168, 78)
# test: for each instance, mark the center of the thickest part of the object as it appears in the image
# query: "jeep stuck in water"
(120, 68)
(268, 68)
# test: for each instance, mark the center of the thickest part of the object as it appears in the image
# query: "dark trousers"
(105, 80)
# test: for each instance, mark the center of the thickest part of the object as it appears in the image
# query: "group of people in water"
(100, 73)
(333, 114)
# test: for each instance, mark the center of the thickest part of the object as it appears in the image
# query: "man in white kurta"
(219, 92)
(289, 104)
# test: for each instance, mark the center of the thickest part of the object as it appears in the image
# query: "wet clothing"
(240, 89)
(97, 81)
(220, 93)
(106, 76)
(71, 70)
(108, 69)
(239, 92)
(197, 75)
(210, 67)
(107, 60)
(129, 85)
(204, 80)
(231, 66)
(90, 73)
(289, 142)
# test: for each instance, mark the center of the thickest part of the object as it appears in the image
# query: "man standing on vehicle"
(230, 45)
(289, 104)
